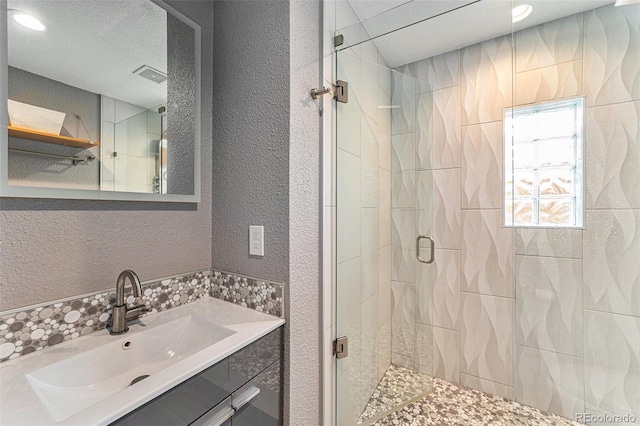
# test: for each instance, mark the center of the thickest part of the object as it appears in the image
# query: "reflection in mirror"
(101, 97)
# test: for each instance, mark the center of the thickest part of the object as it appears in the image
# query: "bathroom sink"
(70, 386)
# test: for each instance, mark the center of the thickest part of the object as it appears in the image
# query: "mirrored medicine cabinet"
(99, 99)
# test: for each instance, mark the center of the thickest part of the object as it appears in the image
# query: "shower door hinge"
(338, 40)
(341, 91)
(341, 347)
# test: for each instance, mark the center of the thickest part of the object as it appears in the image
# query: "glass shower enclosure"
(488, 207)
(385, 251)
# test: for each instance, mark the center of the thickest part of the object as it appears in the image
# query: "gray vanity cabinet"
(242, 389)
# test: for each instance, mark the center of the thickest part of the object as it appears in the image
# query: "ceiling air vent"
(151, 74)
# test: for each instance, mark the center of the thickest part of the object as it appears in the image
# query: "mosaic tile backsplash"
(24, 331)
(262, 296)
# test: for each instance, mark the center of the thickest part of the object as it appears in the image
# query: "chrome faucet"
(121, 313)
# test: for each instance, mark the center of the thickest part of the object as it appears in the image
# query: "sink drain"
(138, 379)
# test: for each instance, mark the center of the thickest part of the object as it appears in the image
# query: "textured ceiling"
(95, 45)
(431, 27)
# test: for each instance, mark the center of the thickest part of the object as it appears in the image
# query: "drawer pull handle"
(244, 398)
(218, 419)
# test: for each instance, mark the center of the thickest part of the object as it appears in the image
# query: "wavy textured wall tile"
(425, 276)
(424, 202)
(612, 73)
(549, 304)
(486, 80)
(368, 252)
(503, 391)
(384, 347)
(348, 206)
(613, 156)
(403, 152)
(368, 164)
(384, 285)
(446, 128)
(440, 71)
(549, 242)
(402, 265)
(348, 127)
(349, 115)
(348, 309)
(611, 267)
(403, 95)
(424, 349)
(487, 254)
(487, 337)
(549, 44)
(403, 189)
(446, 354)
(402, 325)
(446, 208)
(403, 361)
(612, 363)
(438, 290)
(446, 289)
(424, 131)
(349, 398)
(482, 165)
(383, 130)
(403, 229)
(384, 207)
(369, 342)
(549, 381)
(549, 83)
(368, 94)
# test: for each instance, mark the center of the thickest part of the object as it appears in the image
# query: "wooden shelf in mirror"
(34, 135)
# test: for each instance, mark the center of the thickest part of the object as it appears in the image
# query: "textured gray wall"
(180, 106)
(46, 93)
(305, 207)
(266, 162)
(251, 136)
(57, 248)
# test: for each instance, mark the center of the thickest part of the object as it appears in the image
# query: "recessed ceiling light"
(520, 12)
(27, 20)
(626, 2)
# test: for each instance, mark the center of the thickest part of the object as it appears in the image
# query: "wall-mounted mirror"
(99, 100)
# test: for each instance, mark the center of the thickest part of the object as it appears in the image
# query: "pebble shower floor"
(448, 404)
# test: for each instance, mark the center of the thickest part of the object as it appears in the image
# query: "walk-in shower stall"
(487, 181)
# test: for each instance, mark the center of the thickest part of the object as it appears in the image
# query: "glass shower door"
(383, 290)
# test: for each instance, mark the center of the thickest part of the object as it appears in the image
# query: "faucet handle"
(136, 311)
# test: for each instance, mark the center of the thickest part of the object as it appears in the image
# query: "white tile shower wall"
(515, 326)
(426, 192)
(365, 166)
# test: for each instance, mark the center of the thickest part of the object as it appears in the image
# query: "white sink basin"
(70, 386)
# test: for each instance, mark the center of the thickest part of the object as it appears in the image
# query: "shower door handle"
(433, 249)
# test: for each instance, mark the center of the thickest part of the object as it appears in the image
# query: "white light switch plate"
(256, 240)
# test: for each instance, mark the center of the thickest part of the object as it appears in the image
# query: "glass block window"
(543, 165)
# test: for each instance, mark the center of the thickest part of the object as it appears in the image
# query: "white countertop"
(19, 404)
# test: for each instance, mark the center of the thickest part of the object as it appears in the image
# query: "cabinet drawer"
(191, 399)
(259, 402)
(249, 361)
(220, 415)
(181, 405)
